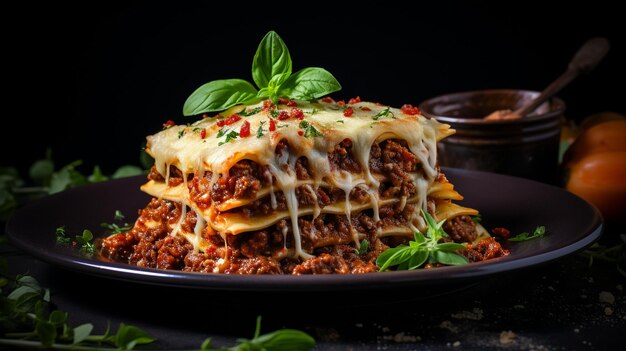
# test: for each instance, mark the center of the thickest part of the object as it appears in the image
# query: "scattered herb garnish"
(613, 254)
(272, 73)
(537, 233)
(247, 113)
(29, 321)
(423, 249)
(477, 218)
(309, 130)
(118, 216)
(44, 179)
(197, 130)
(221, 132)
(232, 135)
(85, 240)
(181, 133)
(384, 113)
(339, 122)
(62, 236)
(363, 247)
(313, 111)
(259, 132)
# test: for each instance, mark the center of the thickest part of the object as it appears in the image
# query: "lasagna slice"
(293, 188)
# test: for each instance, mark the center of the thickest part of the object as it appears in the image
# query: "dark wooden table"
(563, 305)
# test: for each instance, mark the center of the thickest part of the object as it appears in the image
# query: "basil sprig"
(272, 73)
(424, 249)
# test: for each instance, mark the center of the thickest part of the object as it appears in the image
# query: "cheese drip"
(184, 148)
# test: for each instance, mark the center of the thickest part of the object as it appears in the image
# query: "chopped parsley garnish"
(61, 236)
(309, 130)
(339, 122)
(197, 129)
(537, 233)
(181, 133)
(259, 132)
(384, 113)
(221, 132)
(313, 111)
(246, 112)
(232, 135)
(274, 113)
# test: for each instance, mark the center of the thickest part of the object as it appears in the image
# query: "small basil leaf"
(309, 83)
(417, 259)
(219, 95)
(450, 258)
(450, 247)
(271, 58)
(393, 257)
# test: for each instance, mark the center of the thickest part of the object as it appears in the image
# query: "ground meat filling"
(461, 229)
(328, 237)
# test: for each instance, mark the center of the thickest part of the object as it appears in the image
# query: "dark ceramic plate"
(515, 203)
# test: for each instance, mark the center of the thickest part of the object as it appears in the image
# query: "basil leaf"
(392, 257)
(271, 58)
(450, 258)
(309, 83)
(450, 246)
(417, 259)
(219, 95)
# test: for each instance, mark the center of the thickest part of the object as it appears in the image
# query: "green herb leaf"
(310, 83)
(384, 113)
(424, 248)
(450, 258)
(247, 113)
(127, 171)
(537, 233)
(41, 171)
(81, 333)
(363, 247)
(61, 236)
(394, 256)
(259, 132)
(232, 135)
(97, 175)
(271, 58)
(85, 240)
(118, 216)
(309, 130)
(128, 336)
(219, 95)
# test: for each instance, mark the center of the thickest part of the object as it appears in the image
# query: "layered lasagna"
(294, 188)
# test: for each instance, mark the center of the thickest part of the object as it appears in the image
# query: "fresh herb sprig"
(85, 240)
(423, 249)
(272, 73)
(613, 253)
(539, 232)
(29, 321)
(115, 228)
(44, 178)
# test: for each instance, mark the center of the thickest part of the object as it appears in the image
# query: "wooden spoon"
(585, 59)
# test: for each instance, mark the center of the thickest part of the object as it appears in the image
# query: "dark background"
(91, 81)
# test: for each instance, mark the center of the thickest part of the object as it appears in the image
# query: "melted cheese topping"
(324, 126)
